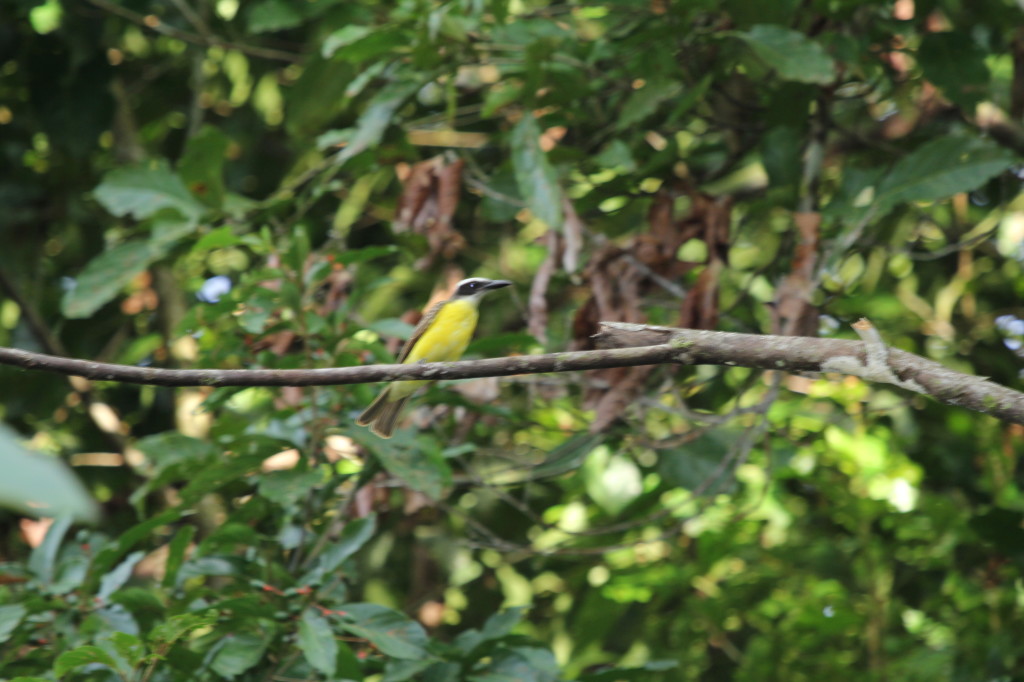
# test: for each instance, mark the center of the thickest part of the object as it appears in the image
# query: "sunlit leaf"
(37, 484)
(141, 192)
(792, 55)
(536, 177)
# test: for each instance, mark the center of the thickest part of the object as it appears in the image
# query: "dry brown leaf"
(430, 196)
(620, 276)
(795, 315)
(625, 384)
(700, 307)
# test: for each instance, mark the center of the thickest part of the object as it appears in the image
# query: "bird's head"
(475, 288)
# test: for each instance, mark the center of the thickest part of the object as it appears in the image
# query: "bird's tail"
(382, 414)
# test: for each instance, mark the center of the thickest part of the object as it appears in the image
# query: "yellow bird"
(441, 336)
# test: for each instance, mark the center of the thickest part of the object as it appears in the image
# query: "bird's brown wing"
(420, 328)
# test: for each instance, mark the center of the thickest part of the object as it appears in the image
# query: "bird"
(441, 336)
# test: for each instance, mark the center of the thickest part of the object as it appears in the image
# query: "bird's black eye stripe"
(471, 287)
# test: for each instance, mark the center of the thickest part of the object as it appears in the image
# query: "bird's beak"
(497, 284)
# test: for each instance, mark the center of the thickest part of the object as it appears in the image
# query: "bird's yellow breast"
(448, 334)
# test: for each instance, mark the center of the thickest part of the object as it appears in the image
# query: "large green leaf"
(143, 191)
(274, 15)
(394, 633)
(83, 655)
(421, 469)
(792, 55)
(316, 639)
(942, 168)
(40, 485)
(536, 177)
(10, 616)
(109, 273)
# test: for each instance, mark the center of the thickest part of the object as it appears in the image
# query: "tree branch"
(626, 345)
(870, 359)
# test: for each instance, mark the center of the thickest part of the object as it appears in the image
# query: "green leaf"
(568, 456)
(691, 465)
(113, 580)
(639, 674)
(645, 101)
(274, 15)
(392, 326)
(176, 554)
(40, 485)
(377, 116)
(420, 469)
(142, 191)
(83, 655)
(399, 670)
(218, 239)
(535, 176)
(129, 647)
(955, 63)
(106, 557)
(288, 487)
(345, 35)
(499, 625)
(366, 254)
(109, 273)
(174, 628)
(522, 664)
(166, 449)
(104, 278)
(219, 474)
(355, 534)
(10, 617)
(202, 164)
(238, 653)
(792, 55)
(394, 633)
(941, 168)
(317, 642)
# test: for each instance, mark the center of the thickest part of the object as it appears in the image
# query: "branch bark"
(625, 345)
(869, 359)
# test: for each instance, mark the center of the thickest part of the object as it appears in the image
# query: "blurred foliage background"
(216, 183)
